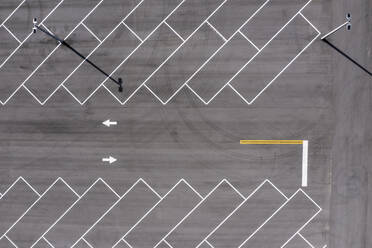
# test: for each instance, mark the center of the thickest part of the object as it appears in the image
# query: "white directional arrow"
(109, 123)
(109, 160)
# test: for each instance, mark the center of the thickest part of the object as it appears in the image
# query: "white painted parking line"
(91, 32)
(307, 222)
(116, 203)
(167, 243)
(148, 36)
(174, 31)
(47, 241)
(218, 32)
(15, 50)
(131, 30)
(196, 207)
(127, 243)
(287, 200)
(240, 32)
(142, 40)
(87, 243)
(305, 148)
(6, 19)
(10, 32)
(90, 54)
(267, 43)
(307, 241)
(280, 73)
(214, 54)
(51, 53)
(174, 52)
(10, 241)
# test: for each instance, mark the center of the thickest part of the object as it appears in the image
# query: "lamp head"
(34, 29)
(348, 18)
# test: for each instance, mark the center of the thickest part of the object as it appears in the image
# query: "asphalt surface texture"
(199, 76)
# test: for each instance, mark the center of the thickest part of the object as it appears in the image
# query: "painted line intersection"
(202, 200)
(184, 41)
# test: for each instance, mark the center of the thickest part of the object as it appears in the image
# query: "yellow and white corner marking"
(305, 152)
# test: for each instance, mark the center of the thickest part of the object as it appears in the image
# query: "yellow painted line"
(271, 142)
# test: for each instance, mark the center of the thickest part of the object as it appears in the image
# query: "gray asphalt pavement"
(198, 187)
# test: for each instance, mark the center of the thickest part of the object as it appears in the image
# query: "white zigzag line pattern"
(185, 84)
(50, 54)
(164, 239)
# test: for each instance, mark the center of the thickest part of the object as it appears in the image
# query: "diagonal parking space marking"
(150, 14)
(90, 246)
(91, 32)
(28, 36)
(218, 32)
(211, 77)
(307, 20)
(5, 242)
(138, 47)
(20, 22)
(272, 18)
(164, 244)
(210, 57)
(17, 69)
(43, 243)
(83, 244)
(149, 231)
(192, 14)
(298, 241)
(108, 15)
(113, 51)
(88, 57)
(238, 218)
(261, 204)
(233, 15)
(306, 223)
(122, 215)
(256, 77)
(50, 75)
(35, 221)
(8, 44)
(214, 208)
(173, 72)
(126, 243)
(149, 59)
(8, 11)
(247, 217)
(122, 244)
(257, 54)
(26, 44)
(206, 244)
(134, 33)
(69, 15)
(299, 206)
(56, 13)
(10, 32)
(14, 202)
(174, 31)
(85, 211)
(185, 41)
(48, 242)
(193, 209)
(245, 37)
